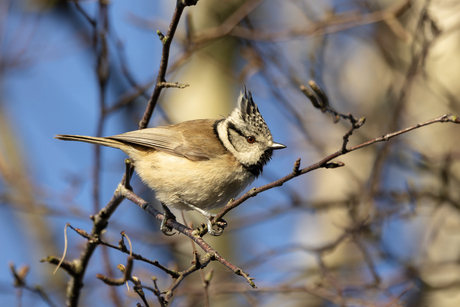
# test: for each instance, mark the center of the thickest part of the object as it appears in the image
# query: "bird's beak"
(277, 146)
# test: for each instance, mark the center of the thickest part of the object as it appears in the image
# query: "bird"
(198, 164)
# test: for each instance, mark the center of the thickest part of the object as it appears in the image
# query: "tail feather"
(91, 139)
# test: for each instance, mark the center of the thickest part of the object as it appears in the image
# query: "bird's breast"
(206, 184)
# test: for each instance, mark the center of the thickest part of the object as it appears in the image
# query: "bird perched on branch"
(199, 164)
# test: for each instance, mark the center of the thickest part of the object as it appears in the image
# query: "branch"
(446, 118)
(324, 163)
(197, 264)
(340, 22)
(166, 40)
(77, 268)
(20, 282)
(211, 252)
(122, 248)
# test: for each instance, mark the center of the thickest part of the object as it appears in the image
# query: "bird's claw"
(165, 229)
(210, 222)
(216, 228)
(168, 215)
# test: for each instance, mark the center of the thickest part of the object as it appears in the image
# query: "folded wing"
(194, 140)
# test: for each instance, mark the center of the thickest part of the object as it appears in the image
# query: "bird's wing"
(184, 139)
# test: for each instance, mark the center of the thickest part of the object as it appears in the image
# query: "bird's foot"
(215, 228)
(168, 215)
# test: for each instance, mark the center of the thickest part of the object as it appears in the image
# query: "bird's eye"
(251, 139)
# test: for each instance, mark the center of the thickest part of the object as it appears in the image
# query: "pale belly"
(206, 184)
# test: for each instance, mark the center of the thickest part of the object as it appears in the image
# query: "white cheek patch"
(222, 131)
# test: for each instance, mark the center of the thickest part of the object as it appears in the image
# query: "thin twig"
(20, 282)
(65, 249)
(161, 79)
(203, 278)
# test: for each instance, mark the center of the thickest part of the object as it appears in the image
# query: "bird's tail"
(91, 139)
